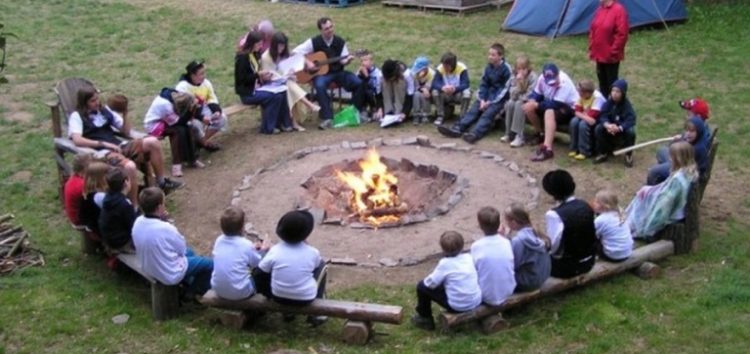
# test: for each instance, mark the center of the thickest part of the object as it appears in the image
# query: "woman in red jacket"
(607, 38)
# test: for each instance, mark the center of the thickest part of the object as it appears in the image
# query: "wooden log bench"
(357, 329)
(490, 320)
(165, 299)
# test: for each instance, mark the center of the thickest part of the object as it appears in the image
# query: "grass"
(702, 304)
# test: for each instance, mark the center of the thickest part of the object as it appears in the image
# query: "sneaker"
(543, 153)
(427, 323)
(315, 321)
(425, 119)
(579, 157)
(326, 124)
(449, 132)
(470, 138)
(276, 131)
(601, 158)
(417, 120)
(573, 154)
(505, 139)
(177, 170)
(287, 129)
(628, 160)
(518, 141)
(169, 185)
(438, 120)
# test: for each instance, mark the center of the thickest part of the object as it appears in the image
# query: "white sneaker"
(518, 141)
(505, 138)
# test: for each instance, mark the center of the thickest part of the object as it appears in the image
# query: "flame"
(376, 188)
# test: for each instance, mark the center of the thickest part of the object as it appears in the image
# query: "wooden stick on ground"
(6, 217)
(17, 244)
(641, 145)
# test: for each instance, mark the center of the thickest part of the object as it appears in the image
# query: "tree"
(3, 36)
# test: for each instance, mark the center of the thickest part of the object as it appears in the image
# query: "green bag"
(348, 117)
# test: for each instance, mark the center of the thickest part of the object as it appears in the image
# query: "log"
(9, 239)
(356, 311)
(652, 252)
(356, 332)
(642, 145)
(236, 108)
(10, 232)
(648, 270)
(494, 324)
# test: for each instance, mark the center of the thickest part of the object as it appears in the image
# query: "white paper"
(390, 119)
(273, 87)
(292, 64)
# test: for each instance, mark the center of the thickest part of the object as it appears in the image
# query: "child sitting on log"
(234, 257)
(530, 248)
(73, 189)
(292, 272)
(453, 284)
(94, 190)
(616, 242)
(570, 227)
(493, 259)
(697, 134)
(118, 214)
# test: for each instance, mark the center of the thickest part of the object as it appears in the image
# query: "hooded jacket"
(703, 136)
(532, 260)
(620, 113)
(116, 220)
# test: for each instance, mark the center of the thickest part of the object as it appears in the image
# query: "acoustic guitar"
(321, 61)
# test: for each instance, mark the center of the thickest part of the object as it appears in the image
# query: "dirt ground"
(209, 191)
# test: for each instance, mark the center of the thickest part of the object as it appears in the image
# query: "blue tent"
(553, 18)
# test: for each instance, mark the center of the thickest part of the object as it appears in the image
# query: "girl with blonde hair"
(655, 207)
(615, 239)
(94, 190)
(530, 248)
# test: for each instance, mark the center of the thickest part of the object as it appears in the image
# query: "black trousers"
(262, 282)
(425, 297)
(607, 74)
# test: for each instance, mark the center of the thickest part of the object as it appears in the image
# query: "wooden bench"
(165, 299)
(357, 329)
(236, 108)
(492, 322)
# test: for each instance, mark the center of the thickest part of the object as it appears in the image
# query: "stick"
(16, 245)
(6, 217)
(638, 146)
(10, 232)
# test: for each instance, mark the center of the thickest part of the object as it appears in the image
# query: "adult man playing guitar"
(333, 46)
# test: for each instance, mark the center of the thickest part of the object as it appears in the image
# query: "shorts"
(563, 112)
(131, 150)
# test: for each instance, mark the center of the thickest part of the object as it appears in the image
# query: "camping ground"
(700, 304)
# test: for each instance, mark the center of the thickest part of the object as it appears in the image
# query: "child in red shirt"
(73, 190)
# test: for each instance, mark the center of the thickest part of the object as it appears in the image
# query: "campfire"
(374, 199)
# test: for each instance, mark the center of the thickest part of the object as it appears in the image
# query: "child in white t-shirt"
(292, 272)
(234, 257)
(614, 235)
(453, 284)
(493, 259)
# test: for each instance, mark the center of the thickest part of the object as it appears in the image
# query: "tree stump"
(165, 301)
(357, 332)
(648, 270)
(233, 319)
(88, 244)
(494, 323)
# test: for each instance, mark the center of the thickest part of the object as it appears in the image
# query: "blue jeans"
(580, 136)
(345, 79)
(485, 120)
(275, 110)
(197, 278)
(659, 172)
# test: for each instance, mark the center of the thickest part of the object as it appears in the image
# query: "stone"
(236, 194)
(359, 145)
(121, 319)
(498, 159)
(332, 221)
(235, 201)
(463, 182)
(249, 227)
(318, 214)
(486, 155)
(375, 142)
(447, 146)
(417, 218)
(443, 209)
(433, 170)
(388, 262)
(408, 261)
(369, 265)
(454, 199)
(391, 164)
(406, 165)
(423, 140)
(321, 148)
(359, 225)
(448, 176)
(346, 145)
(392, 142)
(464, 148)
(506, 163)
(410, 141)
(244, 186)
(531, 181)
(514, 167)
(344, 261)
(301, 153)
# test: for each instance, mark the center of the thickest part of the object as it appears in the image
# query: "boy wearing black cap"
(292, 272)
(570, 227)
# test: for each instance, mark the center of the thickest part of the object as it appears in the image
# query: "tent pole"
(661, 17)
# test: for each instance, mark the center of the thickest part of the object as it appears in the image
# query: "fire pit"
(386, 210)
(382, 192)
